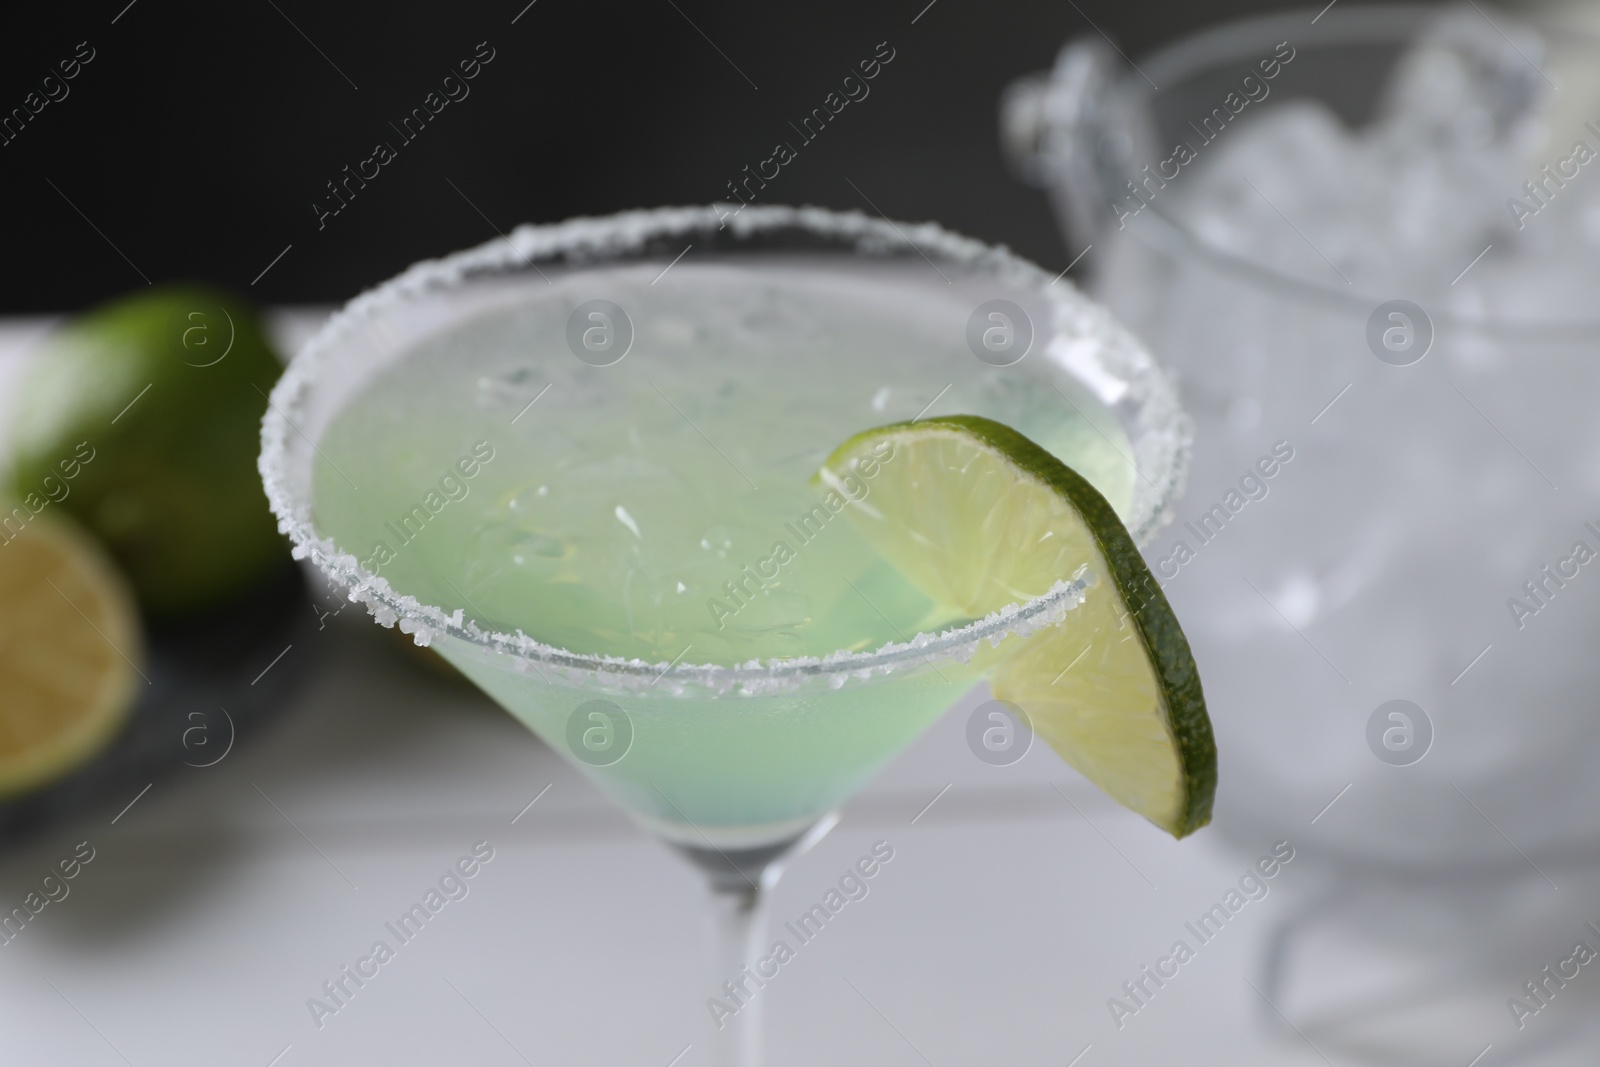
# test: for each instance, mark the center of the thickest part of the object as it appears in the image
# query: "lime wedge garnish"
(978, 517)
(69, 638)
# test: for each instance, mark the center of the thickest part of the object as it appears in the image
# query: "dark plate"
(215, 680)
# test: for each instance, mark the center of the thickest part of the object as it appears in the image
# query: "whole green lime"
(142, 419)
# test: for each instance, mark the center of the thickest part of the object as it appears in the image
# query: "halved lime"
(69, 639)
(978, 517)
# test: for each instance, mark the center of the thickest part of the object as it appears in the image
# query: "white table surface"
(1013, 909)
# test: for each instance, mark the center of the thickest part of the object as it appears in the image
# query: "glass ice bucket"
(1368, 241)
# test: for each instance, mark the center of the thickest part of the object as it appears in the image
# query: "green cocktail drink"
(659, 508)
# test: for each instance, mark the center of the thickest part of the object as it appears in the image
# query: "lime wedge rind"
(1147, 605)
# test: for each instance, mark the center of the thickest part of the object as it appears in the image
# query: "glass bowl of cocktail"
(598, 467)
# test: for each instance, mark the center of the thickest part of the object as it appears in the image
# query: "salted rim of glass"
(1099, 349)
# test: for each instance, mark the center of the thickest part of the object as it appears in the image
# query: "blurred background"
(203, 137)
(290, 775)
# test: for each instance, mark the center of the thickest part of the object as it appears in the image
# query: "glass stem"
(738, 930)
(740, 881)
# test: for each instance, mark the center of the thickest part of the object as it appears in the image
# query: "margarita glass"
(567, 459)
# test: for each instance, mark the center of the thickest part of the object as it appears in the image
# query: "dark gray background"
(199, 136)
